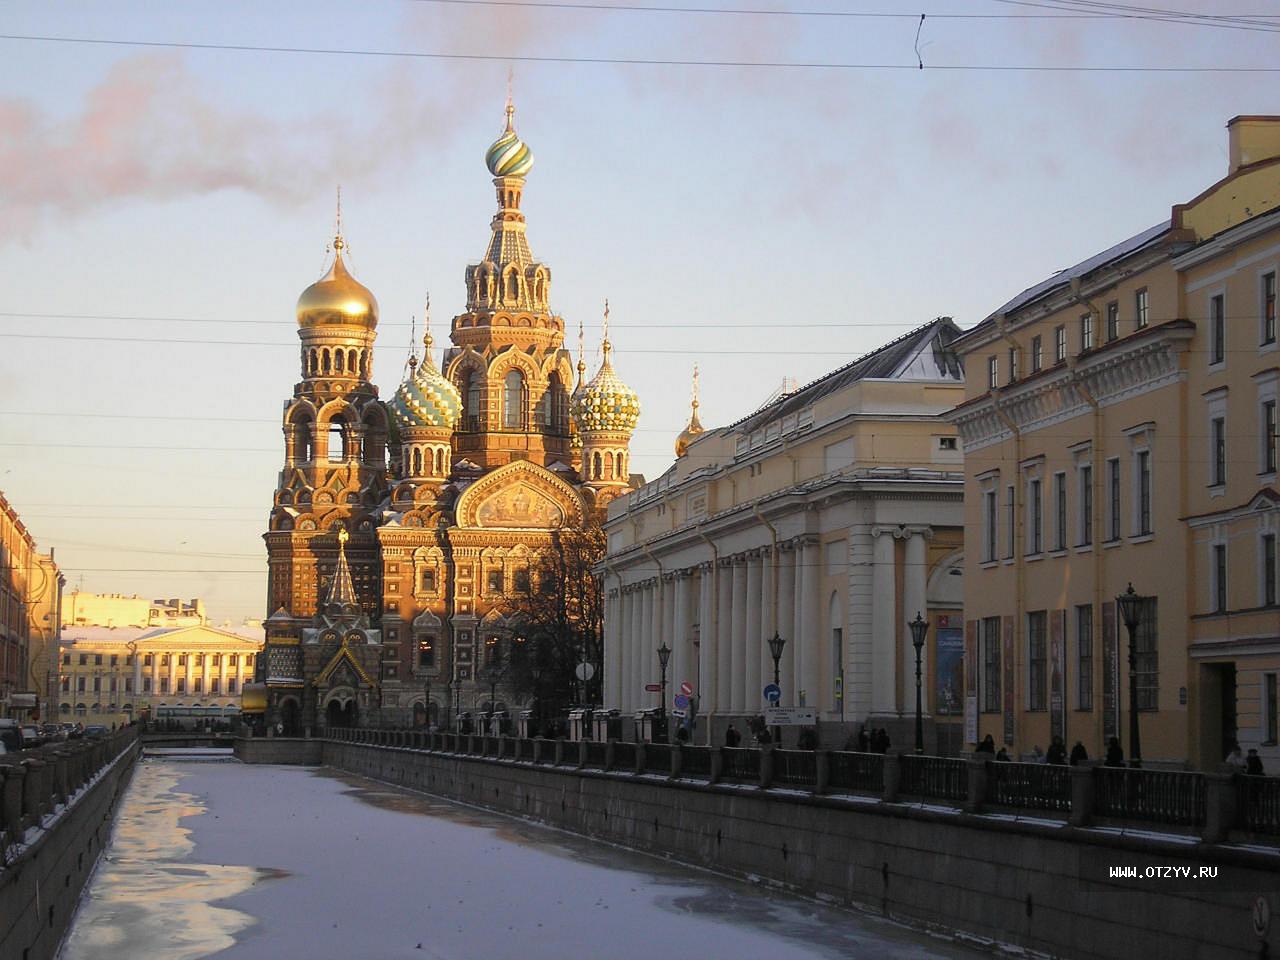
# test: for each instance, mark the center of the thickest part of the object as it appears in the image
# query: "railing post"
(559, 752)
(14, 781)
(892, 777)
(610, 753)
(717, 765)
(977, 774)
(1083, 791)
(582, 754)
(32, 801)
(1220, 805)
(821, 770)
(639, 765)
(537, 749)
(677, 759)
(766, 766)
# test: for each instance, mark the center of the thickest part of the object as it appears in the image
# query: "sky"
(163, 206)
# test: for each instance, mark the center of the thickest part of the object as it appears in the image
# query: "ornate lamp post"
(919, 627)
(1130, 604)
(664, 657)
(776, 643)
(424, 655)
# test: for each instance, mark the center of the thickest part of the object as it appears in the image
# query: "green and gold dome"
(605, 404)
(426, 399)
(509, 156)
(337, 298)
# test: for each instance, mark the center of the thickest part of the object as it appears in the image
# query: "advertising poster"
(971, 681)
(948, 671)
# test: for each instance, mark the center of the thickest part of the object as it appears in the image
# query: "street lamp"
(776, 643)
(1130, 604)
(664, 656)
(425, 663)
(919, 627)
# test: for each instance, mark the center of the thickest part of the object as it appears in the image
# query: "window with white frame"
(1268, 387)
(993, 372)
(990, 523)
(1217, 329)
(1037, 660)
(1060, 511)
(1060, 344)
(1267, 568)
(1217, 451)
(1218, 580)
(991, 665)
(1140, 308)
(1085, 532)
(1268, 296)
(1113, 498)
(1113, 321)
(1146, 645)
(1142, 492)
(1086, 332)
(1035, 517)
(1037, 353)
(1269, 708)
(1010, 517)
(1013, 364)
(1084, 656)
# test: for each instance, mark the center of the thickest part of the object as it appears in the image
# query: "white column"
(682, 639)
(913, 601)
(647, 601)
(627, 655)
(884, 675)
(811, 675)
(705, 681)
(754, 633)
(612, 637)
(724, 639)
(787, 624)
(857, 666)
(768, 614)
(667, 634)
(738, 630)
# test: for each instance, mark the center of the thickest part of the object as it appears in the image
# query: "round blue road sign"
(773, 693)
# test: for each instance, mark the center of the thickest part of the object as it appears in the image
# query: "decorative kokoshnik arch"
(521, 495)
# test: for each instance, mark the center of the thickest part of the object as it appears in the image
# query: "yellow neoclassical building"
(1120, 427)
(113, 675)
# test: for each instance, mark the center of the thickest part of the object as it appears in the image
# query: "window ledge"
(1217, 490)
(1142, 538)
(1270, 347)
(1217, 366)
(1033, 557)
(1111, 544)
(988, 564)
(1268, 477)
(1084, 548)
(1062, 552)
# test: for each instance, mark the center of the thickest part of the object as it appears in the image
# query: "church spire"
(342, 592)
(690, 433)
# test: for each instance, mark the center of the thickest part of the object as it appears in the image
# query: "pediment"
(521, 495)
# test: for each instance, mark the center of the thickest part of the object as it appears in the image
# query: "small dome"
(337, 298)
(688, 435)
(426, 399)
(606, 404)
(509, 156)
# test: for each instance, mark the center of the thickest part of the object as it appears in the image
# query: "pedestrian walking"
(1115, 756)
(1078, 754)
(1002, 756)
(732, 737)
(864, 741)
(1057, 754)
(1253, 764)
(988, 745)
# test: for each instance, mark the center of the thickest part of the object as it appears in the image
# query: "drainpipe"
(1019, 511)
(715, 616)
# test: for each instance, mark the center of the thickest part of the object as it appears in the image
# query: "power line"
(633, 61)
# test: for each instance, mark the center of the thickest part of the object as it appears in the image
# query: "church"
(404, 533)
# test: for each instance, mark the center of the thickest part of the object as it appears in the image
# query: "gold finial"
(413, 345)
(582, 353)
(695, 390)
(511, 106)
(427, 341)
(338, 242)
(343, 537)
(605, 345)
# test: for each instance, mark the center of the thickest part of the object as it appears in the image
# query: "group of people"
(1250, 765)
(1057, 752)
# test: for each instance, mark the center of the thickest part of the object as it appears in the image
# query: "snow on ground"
(317, 864)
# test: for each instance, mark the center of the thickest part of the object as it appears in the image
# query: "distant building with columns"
(829, 517)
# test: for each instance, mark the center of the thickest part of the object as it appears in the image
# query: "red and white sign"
(653, 687)
(686, 688)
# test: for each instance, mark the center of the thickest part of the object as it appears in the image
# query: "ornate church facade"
(404, 533)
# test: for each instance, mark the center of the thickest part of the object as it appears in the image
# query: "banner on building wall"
(1057, 672)
(1110, 674)
(971, 681)
(1009, 673)
(948, 671)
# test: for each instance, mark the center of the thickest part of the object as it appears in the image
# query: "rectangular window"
(521, 580)
(80, 684)
(146, 684)
(97, 659)
(1037, 660)
(1113, 499)
(990, 519)
(128, 684)
(1086, 504)
(97, 684)
(128, 660)
(427, 582)
(182, 685)
(84, 659)
(1013, 364)
(1035, 511)
(1219, 578)
(248, 659)
(993, 372)
(1269, 707)
(426, 653)
(66, 659)
(232, 659)
(146, 661)
(1146, 646)
(1217, 329)
(991, 665)
(1269, 570)
(214, 685)
(1269, 438)
(1218, 451)
(1060, 344)
(199, 659)
(182, 659)
(1059, 511)
(1269, 309)
(1009, 508)
(1086, 332)
(197, 685)
(66, 684)
(164, 684)
(495, 581)
(1084, 657)
(115, 660)
(1140, 308)
(1144, 492)
(217, 659)
(231, 684)
(1037, 354)
(164, 659)
(1113, 320)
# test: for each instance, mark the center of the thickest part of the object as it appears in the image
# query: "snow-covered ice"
(282, 862)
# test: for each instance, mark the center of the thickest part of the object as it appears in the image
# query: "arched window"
(324, 361)
(313, 363)
(416, 468)
(470, 387)
(339, 358)
(556, 404)
(337, 441)
(439, 461)
(617, 466)
(513, 285)
(364, 364)
(513, 400)
(597, 470)
(351, 362)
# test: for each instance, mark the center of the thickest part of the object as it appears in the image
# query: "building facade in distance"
(828, 518)
(30, 596)
(116, 610)
(404, 534)
(115, 675)
(1120, 428)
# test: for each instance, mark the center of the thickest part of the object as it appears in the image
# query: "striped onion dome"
(426, 398)
(509, 156)
(606, 404)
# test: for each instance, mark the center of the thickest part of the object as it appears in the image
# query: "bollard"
(33, 803)
(61, 765)
(892, 777)
(537, 749)
(677, 759)
(559, 752)
(766, 766)
(1220, 805)
(610, 753)
(639, 766)
(1082, 793)
(822, 771)
(582, 754)
(717, 766)
(14, 780)
(976, 770)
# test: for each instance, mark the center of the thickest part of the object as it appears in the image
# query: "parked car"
(96, 730)
(10, 735)
(31, 737)
(53, 733)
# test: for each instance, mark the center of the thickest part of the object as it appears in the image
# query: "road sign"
(686, 688)
(680, 701)
(773, 693)
(790, 717)
(653, 688)
(585, 670)
(679, 714)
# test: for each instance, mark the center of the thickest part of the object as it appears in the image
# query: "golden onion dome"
(337, 298)
(691, 432)
(606, 404)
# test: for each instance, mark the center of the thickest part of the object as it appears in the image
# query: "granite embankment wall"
(56, 810)
(1038, 883)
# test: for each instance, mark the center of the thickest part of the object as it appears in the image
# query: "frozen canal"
(257, 861)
